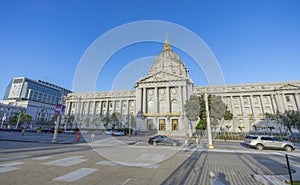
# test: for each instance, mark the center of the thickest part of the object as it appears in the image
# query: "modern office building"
(157, 103)
(22, 88)
(38, 97)
(9, 111)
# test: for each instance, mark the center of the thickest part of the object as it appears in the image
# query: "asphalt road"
(131, 161)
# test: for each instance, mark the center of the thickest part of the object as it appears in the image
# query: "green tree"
(241, 128)
(114, 120)
(70, 120)
(87, 121)
(195, 109)
(289, 119)
(228, 127)
(106, 121)
(22, 117)
(130, 119)
(201, 125)
(255, 128)
(192, 108)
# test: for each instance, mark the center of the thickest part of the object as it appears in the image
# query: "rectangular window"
(149, 124)
(287, 98)
(162, 124)
(175, 124)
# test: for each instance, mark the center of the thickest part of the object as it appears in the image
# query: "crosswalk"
(75, 175)
(19, 163)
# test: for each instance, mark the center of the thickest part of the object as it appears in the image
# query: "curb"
(34, 141)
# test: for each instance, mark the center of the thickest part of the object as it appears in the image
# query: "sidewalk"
(38, 137)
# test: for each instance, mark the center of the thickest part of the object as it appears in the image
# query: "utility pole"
(210, 145)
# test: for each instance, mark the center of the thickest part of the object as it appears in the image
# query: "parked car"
(69, 132)
(270, 142)
(248, 138)
(161, 139)
(108, 132)
(118, 133)
(114, 133)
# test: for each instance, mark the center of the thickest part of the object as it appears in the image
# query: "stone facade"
(157, 103)
(250, 102)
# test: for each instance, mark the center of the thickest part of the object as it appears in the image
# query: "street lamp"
(210, 145)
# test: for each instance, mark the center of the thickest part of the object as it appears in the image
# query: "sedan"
(160, 139)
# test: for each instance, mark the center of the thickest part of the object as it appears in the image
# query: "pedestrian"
(23, 132)
(78, 136)
(92, 137)
(225, 137)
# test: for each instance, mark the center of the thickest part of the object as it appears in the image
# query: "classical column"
(94, 108)
(114, 106)
(297, 101)
(168, 99)
(156, 100)
(88, 108)
(107, 107)
(101, 108)
(67, 110)
(284, 101)
(242, 104)
(262, 103)
(274, 104)
(128, 108)
(82, 108)
(183, 93)
(144, 99)
(232, 105)
(251, 105)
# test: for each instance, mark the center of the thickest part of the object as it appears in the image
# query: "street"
(130, 160)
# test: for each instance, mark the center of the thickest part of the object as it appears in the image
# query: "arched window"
(151, 106)
(174, 106)
(162, 106)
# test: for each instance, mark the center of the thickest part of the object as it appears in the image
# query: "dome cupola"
(169, 62)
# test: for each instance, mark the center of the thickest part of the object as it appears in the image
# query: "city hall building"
(157, 103)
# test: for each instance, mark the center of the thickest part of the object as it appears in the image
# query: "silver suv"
(270, 142)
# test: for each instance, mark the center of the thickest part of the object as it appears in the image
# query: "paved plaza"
(130, 160)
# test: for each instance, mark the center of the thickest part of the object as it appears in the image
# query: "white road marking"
(7, 169)
(151, 157)
(109, 163)
(75, 175)
(42, 158)
(125, 182)
(11, 164)
(14, 157)
(143, 165)
(69, 161)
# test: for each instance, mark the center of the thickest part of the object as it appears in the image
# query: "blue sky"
(253, 40)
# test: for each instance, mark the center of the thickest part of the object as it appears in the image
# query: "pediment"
(289, 87)
(161, 77)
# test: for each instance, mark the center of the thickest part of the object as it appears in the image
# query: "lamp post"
(58, 109)
(129, 125)
(3, 119)
(18, 120)
(210, 145)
